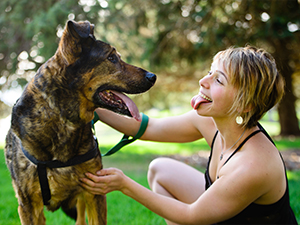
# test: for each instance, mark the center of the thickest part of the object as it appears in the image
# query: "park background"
(175, 39)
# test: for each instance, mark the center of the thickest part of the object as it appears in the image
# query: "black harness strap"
(42, 168)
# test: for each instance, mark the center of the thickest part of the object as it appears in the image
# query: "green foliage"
(33, 27)
(163, 35)
(174, 38)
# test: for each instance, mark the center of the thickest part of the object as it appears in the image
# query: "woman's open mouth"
(199, 99)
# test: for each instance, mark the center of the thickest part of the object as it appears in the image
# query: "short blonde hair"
(253, 72)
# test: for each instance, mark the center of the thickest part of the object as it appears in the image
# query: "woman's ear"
(248, 108)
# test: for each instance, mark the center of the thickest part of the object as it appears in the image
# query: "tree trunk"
(286, 109)
(287, 112)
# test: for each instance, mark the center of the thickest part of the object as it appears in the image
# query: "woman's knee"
(156, 167)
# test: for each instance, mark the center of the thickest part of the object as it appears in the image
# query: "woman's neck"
(231, 133)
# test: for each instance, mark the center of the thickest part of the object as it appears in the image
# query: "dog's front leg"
(96, 209)
(80, 220)
(28, 217)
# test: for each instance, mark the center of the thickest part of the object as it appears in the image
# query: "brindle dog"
(52, 121)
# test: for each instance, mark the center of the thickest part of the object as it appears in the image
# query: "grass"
(120, 207)
(133, 160)
(294, 182)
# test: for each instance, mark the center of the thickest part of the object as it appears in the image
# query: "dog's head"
(96, 70)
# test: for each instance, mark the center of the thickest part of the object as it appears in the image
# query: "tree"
(175, 38)
(186, 32)
(275, 25)
(29, 35)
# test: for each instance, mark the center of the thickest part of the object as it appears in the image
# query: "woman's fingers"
(95, 191)
(105, 181)
(92, 187)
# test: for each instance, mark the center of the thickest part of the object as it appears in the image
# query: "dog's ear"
(80, 29)
(70, 43)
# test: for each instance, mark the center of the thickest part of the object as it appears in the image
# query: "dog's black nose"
(151, 77)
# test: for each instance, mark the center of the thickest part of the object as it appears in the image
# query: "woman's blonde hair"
(253, 72)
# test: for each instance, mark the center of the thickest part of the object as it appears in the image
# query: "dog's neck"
(51, 117)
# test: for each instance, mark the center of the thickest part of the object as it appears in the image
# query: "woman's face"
(216, 93)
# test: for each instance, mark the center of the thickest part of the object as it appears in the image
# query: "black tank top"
(279, 212)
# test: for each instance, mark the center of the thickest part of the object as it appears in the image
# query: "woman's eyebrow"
(219, 71)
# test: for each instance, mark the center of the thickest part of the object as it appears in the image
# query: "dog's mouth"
(119, 102)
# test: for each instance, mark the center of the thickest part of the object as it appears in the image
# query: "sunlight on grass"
(108, 137)
(293, 175)
(145, 147)
(271, 127)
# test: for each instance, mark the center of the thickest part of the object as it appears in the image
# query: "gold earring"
(239, 120)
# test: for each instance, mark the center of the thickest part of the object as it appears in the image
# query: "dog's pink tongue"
(197, 100)
(133, 109)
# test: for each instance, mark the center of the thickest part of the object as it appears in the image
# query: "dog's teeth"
(108, 93)
(110, 98)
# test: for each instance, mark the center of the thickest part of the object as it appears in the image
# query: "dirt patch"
(290, 157)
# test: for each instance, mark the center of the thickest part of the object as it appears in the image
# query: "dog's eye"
(113, 58)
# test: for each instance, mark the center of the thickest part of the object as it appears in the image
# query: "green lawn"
(133, 160)
(121, 209)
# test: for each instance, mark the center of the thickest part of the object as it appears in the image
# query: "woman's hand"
(105, 181)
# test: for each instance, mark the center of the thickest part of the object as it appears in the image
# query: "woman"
(245, 181)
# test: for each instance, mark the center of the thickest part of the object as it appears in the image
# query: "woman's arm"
(184, 128)
(224, 199)
(124, 124)
(112, 179)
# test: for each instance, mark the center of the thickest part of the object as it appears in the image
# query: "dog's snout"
(151, 77)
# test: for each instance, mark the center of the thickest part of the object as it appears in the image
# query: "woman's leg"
(175, 179)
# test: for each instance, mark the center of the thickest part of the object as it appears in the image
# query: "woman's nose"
(204, 82)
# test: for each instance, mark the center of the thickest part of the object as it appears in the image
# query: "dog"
(51, 124)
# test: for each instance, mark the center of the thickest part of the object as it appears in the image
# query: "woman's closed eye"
(218, 79)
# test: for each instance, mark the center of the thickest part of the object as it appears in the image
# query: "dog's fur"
(52, 121)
